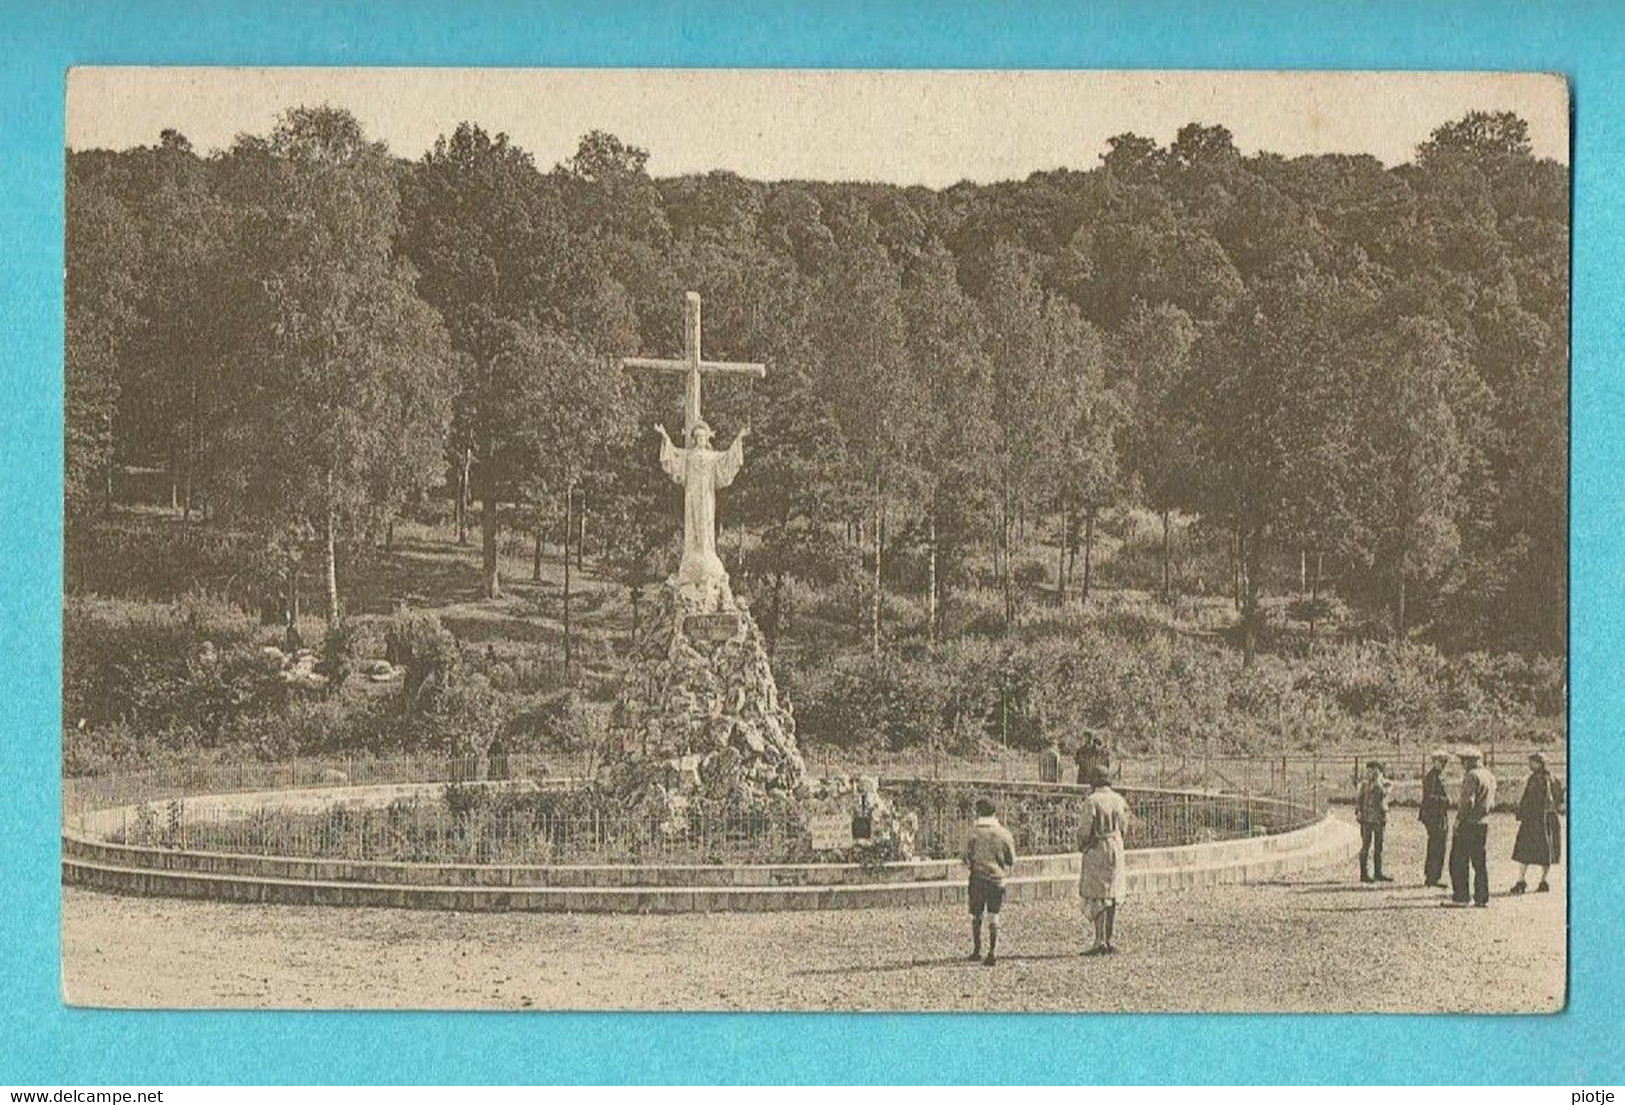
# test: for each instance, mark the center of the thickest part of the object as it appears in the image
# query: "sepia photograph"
(840, 540)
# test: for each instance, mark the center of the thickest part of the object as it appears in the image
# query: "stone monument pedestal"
(699, 697)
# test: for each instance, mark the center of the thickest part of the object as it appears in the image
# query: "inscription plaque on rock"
(712, 628)
(831, 832)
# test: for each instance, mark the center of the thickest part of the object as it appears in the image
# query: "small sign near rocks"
(712, 629)
(831, 832)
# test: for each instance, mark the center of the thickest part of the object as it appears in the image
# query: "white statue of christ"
(701, 471)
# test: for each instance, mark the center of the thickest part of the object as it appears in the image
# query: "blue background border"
(42, 1041)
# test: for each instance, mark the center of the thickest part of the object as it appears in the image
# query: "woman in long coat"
(1104, 879)
(1540, 833)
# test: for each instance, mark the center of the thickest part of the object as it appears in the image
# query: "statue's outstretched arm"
(671, 460)
(732, 461)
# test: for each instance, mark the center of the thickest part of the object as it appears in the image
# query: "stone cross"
(692, 364)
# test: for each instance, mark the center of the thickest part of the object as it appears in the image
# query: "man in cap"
(1470, 846)
(1434, 814)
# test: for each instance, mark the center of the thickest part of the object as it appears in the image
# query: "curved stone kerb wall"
(92, 862)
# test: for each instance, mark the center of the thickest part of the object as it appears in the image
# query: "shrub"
(187, 668)
(884, 703)
(1327, 611)
(560, 721)
(1510, 683)
(426, 649)
(465, 716)
(532, 670)
(997, 691)
(1029, 573)
(978, 612)
(134, 559)
(845, 603)
(338, 652)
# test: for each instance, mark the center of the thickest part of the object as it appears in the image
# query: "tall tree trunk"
(190, 463)
(1303, 570)
(1007, 573)
(463, 495)
(776, 611)
(536, 554)
(1400, 604)
(1060, 561)
(1088, 553)
(1167, 559)
(931, 578)
(581, 535)
(457, 520)
(174, 476)
(1249, 554)
(1314, 599)
(490, 570)
(880, 547)
(490, 567)
(565, 550)
(1235, 569)
(107, 474)
(291, 601)
(330, 564)
(389, 534)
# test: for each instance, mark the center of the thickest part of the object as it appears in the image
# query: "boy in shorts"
(990, 853)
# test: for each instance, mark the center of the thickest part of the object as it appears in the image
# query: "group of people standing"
(990, 849)
(990, 853)
(1540, 832)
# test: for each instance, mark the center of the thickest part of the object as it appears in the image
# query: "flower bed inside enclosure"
(527, 824)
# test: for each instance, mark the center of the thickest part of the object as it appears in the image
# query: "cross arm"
(707, 368)
(740, 368)
(655, 364)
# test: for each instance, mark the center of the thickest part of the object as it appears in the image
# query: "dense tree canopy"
(1320, 358)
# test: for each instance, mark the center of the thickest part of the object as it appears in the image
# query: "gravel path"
(1316, 942)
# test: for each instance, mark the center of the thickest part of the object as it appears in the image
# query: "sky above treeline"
(928, 127)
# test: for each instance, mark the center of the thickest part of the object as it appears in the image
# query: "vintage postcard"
(834, 540)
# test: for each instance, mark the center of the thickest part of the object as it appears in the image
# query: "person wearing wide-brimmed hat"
(1434, 813)
(1470, 847)
(1540, 833)
(1103, 881)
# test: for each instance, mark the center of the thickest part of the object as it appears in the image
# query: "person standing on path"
(1434, 813)
(990, 853)
(1371, 809)
(1470, 846)
(1540, 832)
(1103, 881)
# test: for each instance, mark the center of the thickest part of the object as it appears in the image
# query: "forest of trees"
(1337, 369)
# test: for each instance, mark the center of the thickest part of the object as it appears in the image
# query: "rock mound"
(699, 704)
